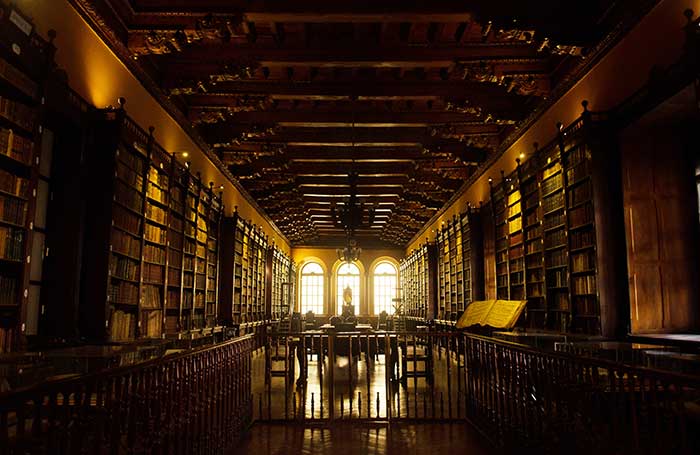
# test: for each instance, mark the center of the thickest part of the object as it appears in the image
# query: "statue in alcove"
(348, 314)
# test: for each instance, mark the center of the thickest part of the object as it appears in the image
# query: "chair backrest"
(310, 317)
(383, 316)
(296, 322)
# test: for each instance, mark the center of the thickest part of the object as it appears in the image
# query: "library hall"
(276, 227)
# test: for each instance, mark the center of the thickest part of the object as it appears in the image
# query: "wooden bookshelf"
(152, 221)
(473, 257)
(25, 62)
(546, 233)
(535, 290)
(582, 239)
(419, 282)
(243, 272)
(280, 284)
(499, 208)
(459, 265)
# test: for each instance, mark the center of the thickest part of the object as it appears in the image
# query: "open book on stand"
(499, 314)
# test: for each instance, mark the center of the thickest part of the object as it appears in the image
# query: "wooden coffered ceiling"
(413, 96)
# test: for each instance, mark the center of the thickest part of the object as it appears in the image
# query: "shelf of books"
(157, 217)
(535, 291)
(213, 230)
(175, 320)
(554, 234)
(450, 297)
(499, 208)
(584, 298)
(472, 257)
(242, 277)
(443, 270)
(417, 273)
(459, 246)
(25, 60)
(280, 280)
(546, 236)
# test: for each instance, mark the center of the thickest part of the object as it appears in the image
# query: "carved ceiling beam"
(471, 153)
(362, 191)
(524, 81)
(261, 113)
(209, 28)
(494, 97)
(340, 55)
(370, 199)
(226, 135)
(163, 13)
(337, 169)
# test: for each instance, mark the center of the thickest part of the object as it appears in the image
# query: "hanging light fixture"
(349, 214)
(350, 252)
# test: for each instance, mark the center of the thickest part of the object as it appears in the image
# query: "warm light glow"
(522, 155)
(312, 288)
(384, 282)
(348, 274)
(185, 154)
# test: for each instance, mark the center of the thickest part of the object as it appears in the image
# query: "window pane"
(385, 284)
(348, 269)
(385, 268)
(312, 288)
(312, 267)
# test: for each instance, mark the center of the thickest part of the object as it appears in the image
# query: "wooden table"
(363, 341)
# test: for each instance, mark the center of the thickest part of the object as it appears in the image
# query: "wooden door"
(661, 224)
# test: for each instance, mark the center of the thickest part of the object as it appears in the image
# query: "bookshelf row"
(135, 236)
(459, 247)
(417, 274)
(282, 284)
(162, 266)
(257, 279)
(25, 62)
(545, 236)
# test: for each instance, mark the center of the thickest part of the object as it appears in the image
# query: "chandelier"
(350, 252)
(349, 215)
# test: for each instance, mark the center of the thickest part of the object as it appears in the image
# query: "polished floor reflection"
(361, 388)
(346, 438)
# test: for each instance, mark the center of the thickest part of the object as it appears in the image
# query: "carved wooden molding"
(242, 103)
(210, 28)
(252, 132)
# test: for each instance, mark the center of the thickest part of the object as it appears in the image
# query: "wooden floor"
(352, 384)
(348, 438)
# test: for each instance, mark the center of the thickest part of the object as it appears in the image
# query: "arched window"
(312, 288)
(384, 282)
(348, 275)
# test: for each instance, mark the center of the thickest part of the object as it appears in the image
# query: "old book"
(500, 314)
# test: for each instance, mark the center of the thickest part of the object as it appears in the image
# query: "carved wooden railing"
(189, 403)
(523, 397)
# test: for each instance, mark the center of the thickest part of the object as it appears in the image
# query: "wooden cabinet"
(662, 231)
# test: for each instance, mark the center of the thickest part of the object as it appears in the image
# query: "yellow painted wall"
(100, 77)
(656, 40)
(328, 259)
